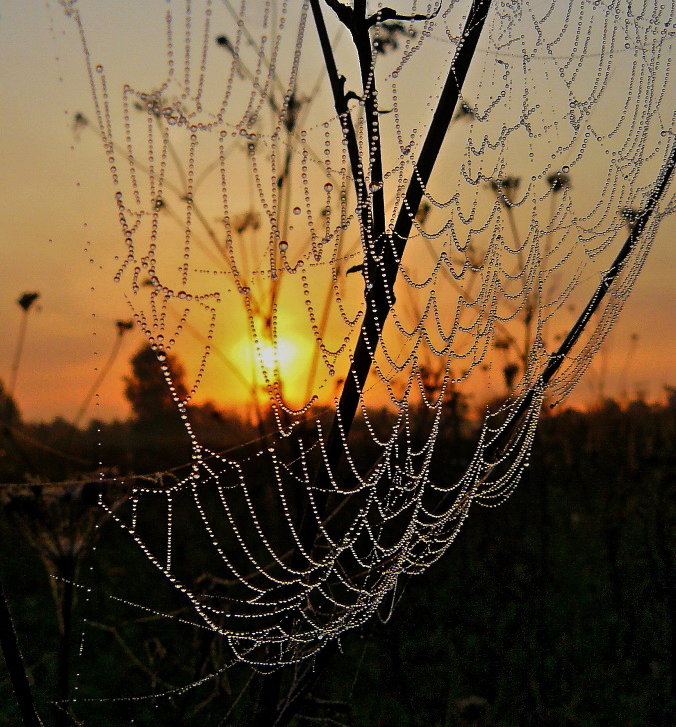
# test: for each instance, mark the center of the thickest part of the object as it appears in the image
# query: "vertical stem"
(347, 127)
(66, 616)
(557, 359)
(362, 41)
(99, 379)
(380, 298)
(15, 667)
(17, 355)
(528, 304)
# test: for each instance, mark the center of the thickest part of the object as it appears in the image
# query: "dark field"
(554, 609)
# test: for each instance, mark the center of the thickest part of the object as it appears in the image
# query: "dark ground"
(553, 609)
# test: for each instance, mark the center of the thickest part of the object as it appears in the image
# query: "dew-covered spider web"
(354, 216)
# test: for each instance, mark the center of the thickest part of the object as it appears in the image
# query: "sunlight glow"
(275, 355)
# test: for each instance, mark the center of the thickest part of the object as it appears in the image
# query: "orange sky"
(58, 197)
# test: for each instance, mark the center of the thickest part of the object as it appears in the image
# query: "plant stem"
(99, 379)
(15, 667)
(380, 298)
(67, 568)
(609, 277)
(17, 356)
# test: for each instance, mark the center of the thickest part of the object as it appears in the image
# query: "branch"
(340, 102)
(15, 667)
(385, 14)
(374, 241)
(381, 298)
(556, 359)
(344, 12)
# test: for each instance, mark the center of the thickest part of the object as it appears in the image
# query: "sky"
(58, 218)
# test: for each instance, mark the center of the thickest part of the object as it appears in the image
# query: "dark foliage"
(553, 610)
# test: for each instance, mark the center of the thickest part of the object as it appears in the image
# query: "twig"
(17, 356)
(15, 667)
(380, 298)
(609, 277)
(100, 378)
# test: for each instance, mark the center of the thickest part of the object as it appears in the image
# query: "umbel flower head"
(26, 300)
(630, 215)
(503, 188)
(389, 34)
(558, 181)
(123, 327)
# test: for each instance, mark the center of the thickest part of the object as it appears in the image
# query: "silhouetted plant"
(121, 328)
(26, 302)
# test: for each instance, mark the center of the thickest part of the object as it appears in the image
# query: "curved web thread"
(265, 186)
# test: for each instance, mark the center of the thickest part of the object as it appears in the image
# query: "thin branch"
(17, 356)
(609, 277)
(15, 667)
(374, 241)
(100, 378)
(337, 83)
(380, 298)
(385, 14)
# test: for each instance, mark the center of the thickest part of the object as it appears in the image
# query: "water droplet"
(328, 187)
(283, 245)
(296, 210)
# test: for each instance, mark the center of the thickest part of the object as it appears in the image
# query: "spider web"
(243, 218)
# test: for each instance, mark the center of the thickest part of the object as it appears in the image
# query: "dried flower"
(423, 212)
(465, 111)
(27, 299)
(124, 326)
(630, 215)
(503, 188)
(558, 181)
(388, 35)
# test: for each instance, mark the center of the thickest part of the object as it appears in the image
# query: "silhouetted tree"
(148, 390)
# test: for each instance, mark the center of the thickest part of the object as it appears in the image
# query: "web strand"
(424, 226)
